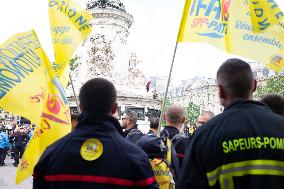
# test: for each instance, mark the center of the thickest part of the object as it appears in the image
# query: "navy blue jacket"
(122, 164)
(241, 148)
(133, 134)
(19, 138)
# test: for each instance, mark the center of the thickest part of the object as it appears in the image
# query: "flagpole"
(71, 81)
(179, 39)
(167, 89)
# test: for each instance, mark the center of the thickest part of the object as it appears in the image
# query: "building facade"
(203, 92)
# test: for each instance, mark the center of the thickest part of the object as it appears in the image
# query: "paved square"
(8, 177)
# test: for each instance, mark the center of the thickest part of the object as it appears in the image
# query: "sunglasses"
(125, 118)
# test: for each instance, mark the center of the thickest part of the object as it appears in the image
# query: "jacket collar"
(244, 102)
(94, 117)
(128, 131)
(170, 131)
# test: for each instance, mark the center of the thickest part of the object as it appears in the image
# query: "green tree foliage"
(273, 85)
(73, 63)
(192, 112)
(167, 104)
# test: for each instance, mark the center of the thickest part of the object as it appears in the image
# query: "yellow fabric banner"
(249, 28)
(264, 14)
(70, 26)
(29, 88)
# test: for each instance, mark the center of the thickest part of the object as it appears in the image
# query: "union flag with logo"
(250, 28)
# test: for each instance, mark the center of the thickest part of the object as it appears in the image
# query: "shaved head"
(175, 114)
(236, 77)
(97, 95)
(235, 81)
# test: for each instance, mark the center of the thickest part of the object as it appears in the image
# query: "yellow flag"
(264, 14)
(70, 25)
(249, 28)
(29, 88)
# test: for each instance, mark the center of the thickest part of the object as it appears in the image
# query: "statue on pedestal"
(135, 77)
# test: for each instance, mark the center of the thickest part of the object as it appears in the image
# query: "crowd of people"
(13, 141)
(237, 149)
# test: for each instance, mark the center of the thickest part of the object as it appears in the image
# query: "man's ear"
(254, 85)
(183, 120)
(222, 93)
(114, 108)
(81, 108)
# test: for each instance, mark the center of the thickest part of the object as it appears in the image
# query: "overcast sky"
(152, 36)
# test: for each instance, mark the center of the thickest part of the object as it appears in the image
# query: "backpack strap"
(174, 166)
(177, 138)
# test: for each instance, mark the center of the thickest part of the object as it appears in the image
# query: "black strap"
(175, 164)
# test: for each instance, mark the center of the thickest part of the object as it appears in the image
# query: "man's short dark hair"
(236, 77)
(275, 102)
(132, 116)
(154, 123)
(97, 96)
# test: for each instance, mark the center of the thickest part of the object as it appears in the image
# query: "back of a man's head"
(97, 95)
(236, 77)
(204, 117)
(275, 102)
(175, 114)
(154, 123)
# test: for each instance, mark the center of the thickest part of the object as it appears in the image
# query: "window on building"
(139, 111)
(153, 113)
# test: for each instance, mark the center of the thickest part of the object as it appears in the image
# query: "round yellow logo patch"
(91, 149)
